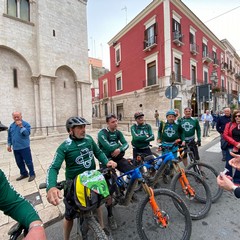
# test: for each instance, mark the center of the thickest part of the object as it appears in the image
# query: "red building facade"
(164, 44)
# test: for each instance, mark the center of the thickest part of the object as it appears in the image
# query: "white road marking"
(215, 148)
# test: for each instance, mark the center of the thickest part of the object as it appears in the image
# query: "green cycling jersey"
(14, 205)
(190, 126)
(110, 141)
(142, 135)
(79, 157)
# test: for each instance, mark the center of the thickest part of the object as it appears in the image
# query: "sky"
(107, 17)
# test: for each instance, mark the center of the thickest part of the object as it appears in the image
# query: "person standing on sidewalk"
(221, 123)
(232, 135)
(206, 119)
(19, 140)
(156, 116)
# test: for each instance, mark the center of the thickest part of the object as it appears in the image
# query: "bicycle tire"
(208, 174)
(95, 231)
(179, 224)
(200, 205)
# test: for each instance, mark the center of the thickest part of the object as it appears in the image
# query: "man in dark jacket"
(221, 123)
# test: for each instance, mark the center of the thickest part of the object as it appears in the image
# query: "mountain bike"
(161, 214)
(204, 170)
(187, 184)
(87, 225)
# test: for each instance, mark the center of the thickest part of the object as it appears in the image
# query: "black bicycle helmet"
(138, 114)
(75, 121)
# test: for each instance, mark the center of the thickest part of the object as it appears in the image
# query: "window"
(119, 82)
(191, 38)
(177, 69)
(193, 72)
(214, 56)
(12, 8)
(205, 77)
(15, 78)
(176, 26)
(117, 54)
(105, 89)
(151, 73)
(150, 36)
(105, 109)
(222, 84)
(205, 50)
(19, 9)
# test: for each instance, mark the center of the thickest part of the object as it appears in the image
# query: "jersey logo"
(85, 158)
(187, 126)
(170, 132)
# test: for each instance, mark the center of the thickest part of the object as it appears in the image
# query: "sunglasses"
(237, 116)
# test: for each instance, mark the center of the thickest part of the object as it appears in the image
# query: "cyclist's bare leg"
(67, 227)
(100, 216)
(185, 162)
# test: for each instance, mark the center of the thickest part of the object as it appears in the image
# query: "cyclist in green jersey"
(78, 152)
(190, 127)
(142, 135)
(18, 208)
(112, 142)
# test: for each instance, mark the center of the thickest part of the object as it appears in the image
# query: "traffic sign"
(171, 92)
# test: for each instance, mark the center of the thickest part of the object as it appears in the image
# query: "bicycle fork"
(160, 216)
(186, 187)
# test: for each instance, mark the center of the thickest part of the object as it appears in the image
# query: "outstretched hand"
(235, 161)
(225, 182)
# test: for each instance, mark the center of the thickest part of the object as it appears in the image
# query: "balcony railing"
(224, 66)
(194, 48)
(237, 76)
(149, 43)
(216, 62)
(207, 57)
(178, 38)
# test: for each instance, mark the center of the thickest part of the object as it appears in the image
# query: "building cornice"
(136, 20)
(182, 7)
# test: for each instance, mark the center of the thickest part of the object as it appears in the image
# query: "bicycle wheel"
(208, 174)
(200, 204)
(179, 222)
(90, 229)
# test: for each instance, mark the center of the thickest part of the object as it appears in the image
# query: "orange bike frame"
(156, 209)
(185, 184)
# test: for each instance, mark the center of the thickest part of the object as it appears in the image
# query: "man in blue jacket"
(18, 140)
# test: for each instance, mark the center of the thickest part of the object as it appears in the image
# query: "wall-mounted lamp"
(136, 94)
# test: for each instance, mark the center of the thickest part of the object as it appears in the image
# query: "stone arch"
(66, 94)
(20, 97)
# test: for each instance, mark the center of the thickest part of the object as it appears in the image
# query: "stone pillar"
(38, 130)
(54, 115)
(45, 97)
(79, 99)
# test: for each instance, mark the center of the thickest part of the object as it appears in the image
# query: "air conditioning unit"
(117, 64)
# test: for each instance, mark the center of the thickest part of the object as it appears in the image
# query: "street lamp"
(214, 79)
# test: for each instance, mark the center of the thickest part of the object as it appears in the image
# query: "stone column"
(38, 130)
(79, 99)
(54, 115)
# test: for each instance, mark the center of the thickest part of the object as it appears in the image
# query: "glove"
(199, 143)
